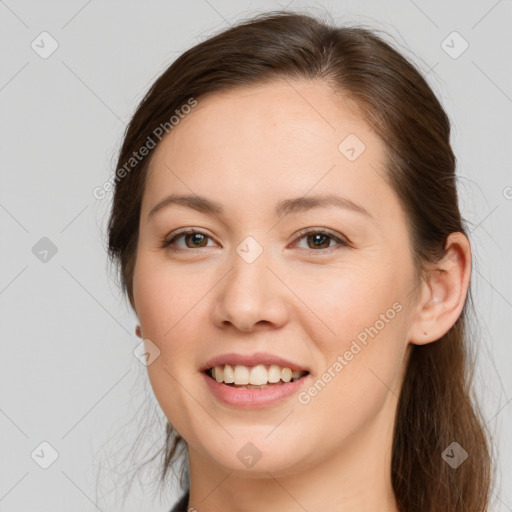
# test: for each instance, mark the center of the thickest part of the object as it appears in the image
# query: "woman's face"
(305, 256)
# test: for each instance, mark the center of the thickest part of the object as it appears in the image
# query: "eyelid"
(341, 240)
(171, 237)
(326, 231)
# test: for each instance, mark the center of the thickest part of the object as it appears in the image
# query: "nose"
(251, 297)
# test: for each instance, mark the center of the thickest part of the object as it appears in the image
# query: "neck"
(357, 478)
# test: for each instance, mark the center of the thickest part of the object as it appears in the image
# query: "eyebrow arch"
(288, 206)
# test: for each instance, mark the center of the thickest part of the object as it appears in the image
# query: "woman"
(287, 228)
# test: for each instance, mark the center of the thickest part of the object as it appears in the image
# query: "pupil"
(196, 238)
(316, 239)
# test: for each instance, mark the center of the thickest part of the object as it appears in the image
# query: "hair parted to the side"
(436, 405)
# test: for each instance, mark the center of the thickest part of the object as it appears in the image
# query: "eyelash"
(169, 241)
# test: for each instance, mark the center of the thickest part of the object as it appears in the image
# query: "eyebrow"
(288, 206)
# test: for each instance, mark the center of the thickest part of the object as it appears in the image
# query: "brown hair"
(436, 406)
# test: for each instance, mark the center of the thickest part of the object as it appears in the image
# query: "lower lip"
(252, 398)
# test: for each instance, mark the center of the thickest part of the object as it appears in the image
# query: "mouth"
(260, 376)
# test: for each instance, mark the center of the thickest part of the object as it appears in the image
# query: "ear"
(443, 292)
(138, 331)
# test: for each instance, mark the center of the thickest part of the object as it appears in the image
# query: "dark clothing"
(182, 505)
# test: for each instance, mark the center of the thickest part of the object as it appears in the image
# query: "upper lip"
(252, 360)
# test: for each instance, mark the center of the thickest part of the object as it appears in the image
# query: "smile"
(250, 377)
(256, 386)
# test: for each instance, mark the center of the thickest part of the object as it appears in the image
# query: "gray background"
(68, 375)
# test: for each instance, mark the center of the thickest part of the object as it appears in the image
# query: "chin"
(255, 455)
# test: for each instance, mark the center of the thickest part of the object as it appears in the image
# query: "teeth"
(274, 374)
(241, 374)
(286, 375)
(259, 375)
(217, 374)
(229, 374)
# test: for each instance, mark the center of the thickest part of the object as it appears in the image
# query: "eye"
(320, 238)
(195, 238)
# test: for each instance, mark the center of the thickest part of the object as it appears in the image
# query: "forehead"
(270, 119)
(275, 139)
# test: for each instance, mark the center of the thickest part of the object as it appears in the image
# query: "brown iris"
(316, 238)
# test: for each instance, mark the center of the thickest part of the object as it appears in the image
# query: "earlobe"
(138, 331)
(443, 293)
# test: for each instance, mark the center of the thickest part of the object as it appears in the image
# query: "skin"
(249, 149)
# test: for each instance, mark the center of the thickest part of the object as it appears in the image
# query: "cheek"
(342, 302)
(163, 298)
(359, 383)
(360, 340)
(168, 308)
